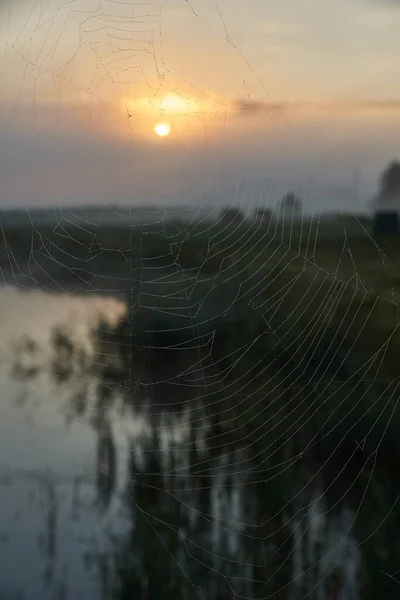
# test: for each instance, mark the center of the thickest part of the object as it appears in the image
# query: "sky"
(259, 97)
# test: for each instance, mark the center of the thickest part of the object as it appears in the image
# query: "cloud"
(247, 105)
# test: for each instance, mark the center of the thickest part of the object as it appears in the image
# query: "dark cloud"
(247, 105)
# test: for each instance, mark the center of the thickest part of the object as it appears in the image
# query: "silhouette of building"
(386, 222)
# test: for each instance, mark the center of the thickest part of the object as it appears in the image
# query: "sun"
(162, 129)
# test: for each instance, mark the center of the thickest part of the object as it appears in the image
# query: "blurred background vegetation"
(280, 335)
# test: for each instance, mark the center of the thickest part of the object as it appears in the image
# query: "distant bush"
(263, 215)
(231, 215)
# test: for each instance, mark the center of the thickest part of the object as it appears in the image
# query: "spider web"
(272, 425)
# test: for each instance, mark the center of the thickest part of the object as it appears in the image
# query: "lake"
(48, 461)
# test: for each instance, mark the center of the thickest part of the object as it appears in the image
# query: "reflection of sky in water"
(35, 313)
(34, 440)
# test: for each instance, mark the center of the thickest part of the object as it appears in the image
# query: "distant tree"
(263, 215)
(232, 215)
(390, 178)
(290, 205)
(388, 195)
